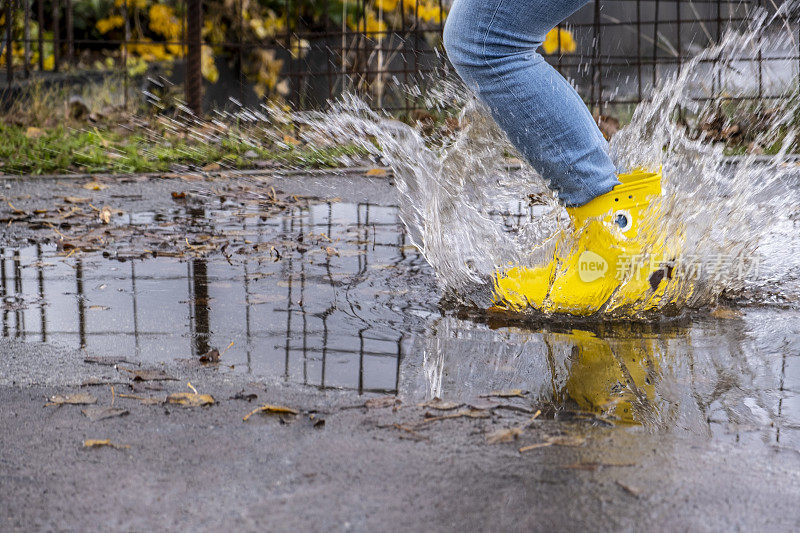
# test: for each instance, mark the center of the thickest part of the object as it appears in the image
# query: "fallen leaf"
(241, 395)
(105, 215)
(382, 402)
(288, 139)
(98, 443)
(567, 440)
(376, 172)
(330, 250)
(76, 199)
(99, 413)
(725, 313)
(98, 308)
(467, 413)
(535, 446)
(212, 356)
(190, 399)
(95, 186)
(80, 398)
(178, 195)
(560, 440)
(503, 435)
(268, 409)
(440, 405)
(212, 167)
(512, 393)
(146, 400)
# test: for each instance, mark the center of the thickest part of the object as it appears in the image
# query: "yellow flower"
(49, 62)
(164, 21)
(386, 5)
(107, 24)
(208, 66)
(568, 44)
(430, 13)
(139, 4)
(375, 27)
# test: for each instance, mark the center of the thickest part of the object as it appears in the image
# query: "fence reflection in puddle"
(328, 318)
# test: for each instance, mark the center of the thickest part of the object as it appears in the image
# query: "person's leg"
(492, 45)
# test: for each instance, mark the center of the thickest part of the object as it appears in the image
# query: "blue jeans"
(492, 45)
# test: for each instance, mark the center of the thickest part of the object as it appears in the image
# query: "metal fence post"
(9, 42)
(194, 76)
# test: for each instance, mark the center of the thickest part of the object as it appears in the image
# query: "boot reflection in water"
(618, 383)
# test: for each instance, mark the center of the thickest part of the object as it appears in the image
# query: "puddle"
(359, 309)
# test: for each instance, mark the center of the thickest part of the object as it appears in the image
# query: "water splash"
(471, 214)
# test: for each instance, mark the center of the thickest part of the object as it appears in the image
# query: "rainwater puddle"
(359, 309)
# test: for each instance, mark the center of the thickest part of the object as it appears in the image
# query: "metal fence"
(624, 47)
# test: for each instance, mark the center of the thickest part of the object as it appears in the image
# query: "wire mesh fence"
(309, 51)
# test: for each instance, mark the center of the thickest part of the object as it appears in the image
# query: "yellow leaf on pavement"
(190, 399)
(268, 409)
(95, 186)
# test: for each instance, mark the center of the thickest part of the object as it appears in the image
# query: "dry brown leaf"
(382, 402)
(212, 167)
(105, 215)
(511, 393)
(467, 413)
(725, 313)
(76, 199)
(441, 405)
(99, 443)
(559, 440)
(95, 186)
(212, 356)
(535, 446)
(178, 195)
(268, 409)
(146, 400)
(376, 172)
(190, 399)
(99, 413)
(503, 435)
(288, 139)
(80, 398)
(567, 440)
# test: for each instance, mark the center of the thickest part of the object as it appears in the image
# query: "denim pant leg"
(492, 45)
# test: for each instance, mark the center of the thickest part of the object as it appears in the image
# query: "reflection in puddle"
(329, 316)
(736, 376)
(360, 311)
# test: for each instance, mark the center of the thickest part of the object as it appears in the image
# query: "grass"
(64, 149)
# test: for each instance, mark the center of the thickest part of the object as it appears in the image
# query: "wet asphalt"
(347, 461)
(363, 469)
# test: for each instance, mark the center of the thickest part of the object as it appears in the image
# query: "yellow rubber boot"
(610, 263)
